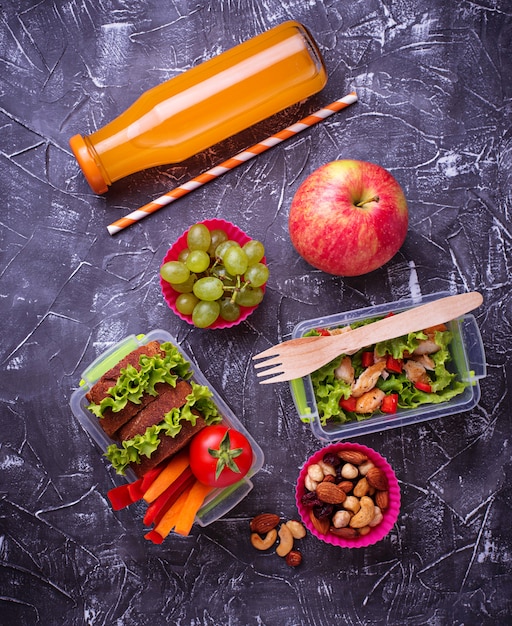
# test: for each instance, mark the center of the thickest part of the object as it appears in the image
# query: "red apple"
(348, 218)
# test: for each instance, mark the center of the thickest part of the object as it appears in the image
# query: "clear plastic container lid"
(220, 501)
(468, 362)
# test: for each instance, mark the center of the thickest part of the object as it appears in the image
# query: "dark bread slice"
(100, 389)
(168, 398)
(112, 421)
(168, 446)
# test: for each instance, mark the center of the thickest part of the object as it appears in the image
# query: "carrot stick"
(167, 476)
(149, 477)
(172, 515)
(157, 508)
(193, 503)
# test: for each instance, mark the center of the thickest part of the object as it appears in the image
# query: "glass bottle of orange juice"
(206, 104)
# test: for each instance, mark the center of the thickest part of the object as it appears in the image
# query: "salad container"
(220, 501)
(468, 363)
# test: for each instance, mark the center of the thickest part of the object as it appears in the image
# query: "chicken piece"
(424, 360)
(416, 372)
(428, 345)
(345, 371)
(340, 331)
(367, 379)
(370, 401)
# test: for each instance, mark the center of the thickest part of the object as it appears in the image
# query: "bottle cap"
(89, 167)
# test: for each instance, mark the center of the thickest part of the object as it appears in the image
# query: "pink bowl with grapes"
(170, 295)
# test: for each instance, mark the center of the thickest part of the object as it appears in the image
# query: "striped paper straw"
(226, 166)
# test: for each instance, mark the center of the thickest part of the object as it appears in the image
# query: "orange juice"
(206, 104)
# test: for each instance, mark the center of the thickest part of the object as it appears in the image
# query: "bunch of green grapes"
(215, 276)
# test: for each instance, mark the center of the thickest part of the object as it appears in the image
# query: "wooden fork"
(299, 357)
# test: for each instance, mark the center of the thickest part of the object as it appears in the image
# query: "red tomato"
(220, 456)
(348, 404)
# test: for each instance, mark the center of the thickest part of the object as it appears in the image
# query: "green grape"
(174, 272)
(198, 261)
(229, 311)
(186, 302)
(205, 314)
(235, 260)
(182, 256)
(219, 271)
(249, 297)
(217, 237)
(221, 249)
(208, 288)
(256, 274)
(198, 237)
(185, 287)
(254, 250)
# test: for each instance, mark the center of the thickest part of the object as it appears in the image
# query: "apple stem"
(363, 202)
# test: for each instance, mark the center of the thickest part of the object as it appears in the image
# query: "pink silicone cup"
(390, 515)
(234, 233)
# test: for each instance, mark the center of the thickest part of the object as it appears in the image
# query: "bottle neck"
(85, 153)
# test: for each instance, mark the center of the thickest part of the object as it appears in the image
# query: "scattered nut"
(296, 528)
(264, 522)
(346, 486)
(293, 558)
(266, 542)
(285, 540)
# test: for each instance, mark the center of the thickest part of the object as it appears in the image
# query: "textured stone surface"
(434, 84)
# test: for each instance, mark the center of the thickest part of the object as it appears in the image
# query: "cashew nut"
(365, 514)
(349, 471)
(266, 542)
(341, 519)
(316, 473)
(377, 518)
(285, 540)
(296, 528)
(352, 504)
(362, 487)
(310, 484)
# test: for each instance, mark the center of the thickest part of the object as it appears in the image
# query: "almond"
(352, 456)
(321, 525)
(346, 532)
(330, 493)
(376, 478)
(346, 486)
(264, 522)
(382, 500)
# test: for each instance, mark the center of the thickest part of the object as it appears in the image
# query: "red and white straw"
(231, 163)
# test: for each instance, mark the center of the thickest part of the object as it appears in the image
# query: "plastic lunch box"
(220, 501)
(468, 361)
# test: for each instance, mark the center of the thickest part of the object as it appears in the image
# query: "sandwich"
(149, 407)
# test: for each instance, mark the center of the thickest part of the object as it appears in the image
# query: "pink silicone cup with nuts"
(390, 515)
(170, 295)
